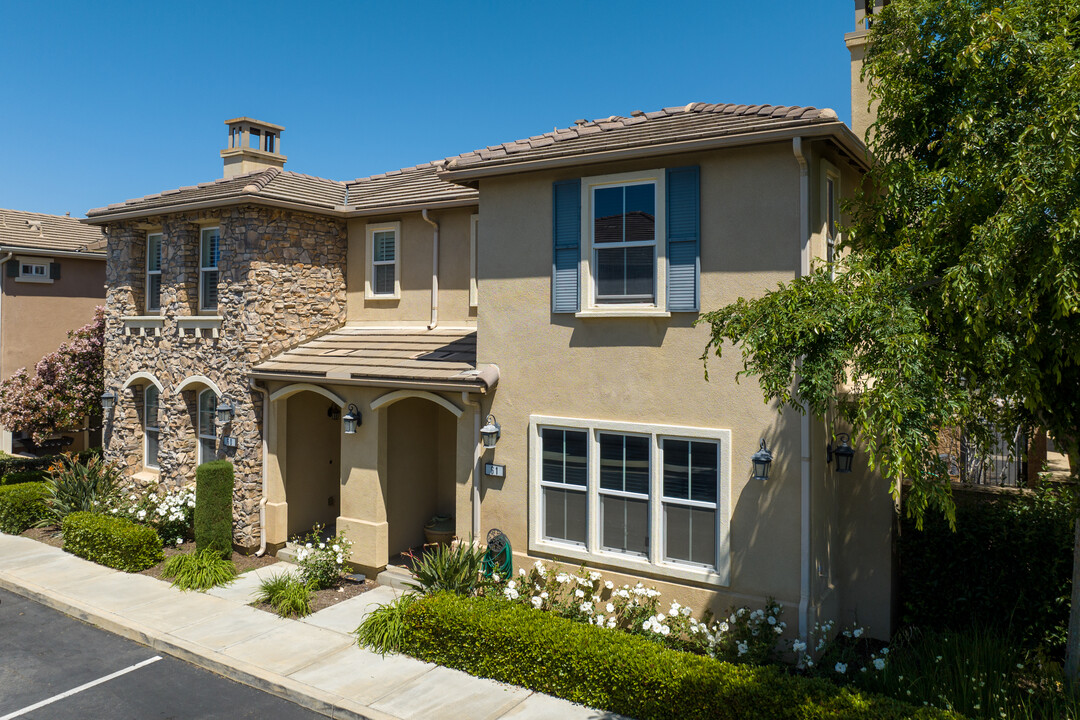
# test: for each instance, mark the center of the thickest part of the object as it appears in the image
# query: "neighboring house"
(347, 344)
(53, 277)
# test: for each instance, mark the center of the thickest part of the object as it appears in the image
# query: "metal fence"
(1004, 465)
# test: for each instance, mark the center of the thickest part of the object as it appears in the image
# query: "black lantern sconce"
(333, 412)
(352, 419)
(843, 453)
(224, 411)
(490, 433)
(108, 400)
(762, 460)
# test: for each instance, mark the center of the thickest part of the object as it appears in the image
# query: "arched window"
(207, 429)
(151, 397)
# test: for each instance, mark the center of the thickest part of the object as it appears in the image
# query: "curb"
(328, 704)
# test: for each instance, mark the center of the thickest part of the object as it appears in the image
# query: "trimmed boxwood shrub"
(23, 476)
(22, 506)
(627, 674)
(111, 541)
(214, 506)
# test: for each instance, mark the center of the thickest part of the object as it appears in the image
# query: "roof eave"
(847, 139)
(22, 250)
(104, 218)
(394, 383)
(348, 212)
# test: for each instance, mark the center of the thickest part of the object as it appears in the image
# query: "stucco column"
(466, 463)
(363, 486)
(277, 507)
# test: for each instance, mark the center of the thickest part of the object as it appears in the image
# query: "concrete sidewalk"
(314, 662)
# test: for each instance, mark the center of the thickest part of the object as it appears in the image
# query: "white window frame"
(590, 307)
(829, 173)
(369, 279)
(45, 263)
(474, 243)
(150, 273)
(148, 428)
(593, 553)
(199, 429)
(203, 270)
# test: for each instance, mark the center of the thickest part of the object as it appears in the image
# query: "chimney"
(253, 145)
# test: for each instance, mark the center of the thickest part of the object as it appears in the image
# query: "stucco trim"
(392, 397)
(290, 390)
(141, 375)
(193, 381)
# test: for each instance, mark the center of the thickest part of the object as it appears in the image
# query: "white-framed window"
(209, 256)
(647, 498)
(207, 426)
(153, 272)
(474, 245)
(383, 262)
(33, 269)
(830, 212)
(623, 225)
(151, 430)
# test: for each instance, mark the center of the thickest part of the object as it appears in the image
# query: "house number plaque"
(493, 470)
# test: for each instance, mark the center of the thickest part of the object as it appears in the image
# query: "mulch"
(322, 599)
(243, 562)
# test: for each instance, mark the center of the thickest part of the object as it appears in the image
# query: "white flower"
(594, 575)
(772, 620)
(308, 546)
(798, 646)
(579, 593)
(495, 577)
(335, 548)
(586, 607)
(521, 572)
(179, 541)
(743, 648)
(665, 630)
(840, 668)
(686, 611)
(609, 585)
(511, 584)
(510, 593)
(674, 608)
(540, 569)
(611, 622)
(779, 630)
(544, 595)
(537, 602)
(610, 608)
(562, 578)
(857, 632)
(724, 627)
(879, 663)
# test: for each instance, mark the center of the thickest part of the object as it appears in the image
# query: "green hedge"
(112, 541)
(623, 673)
(1007, 566)
(214, 506)
(21, 506)
(23, 476)
(9, 465)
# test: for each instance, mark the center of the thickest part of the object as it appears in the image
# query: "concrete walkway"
(314, 662)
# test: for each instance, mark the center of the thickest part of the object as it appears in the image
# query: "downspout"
(477, 454)
(434, 270)
(265, 431)
(804, 453)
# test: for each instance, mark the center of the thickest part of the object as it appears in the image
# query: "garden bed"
(243, 562)
(322, 599)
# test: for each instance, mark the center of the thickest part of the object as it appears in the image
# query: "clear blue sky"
(112, 100)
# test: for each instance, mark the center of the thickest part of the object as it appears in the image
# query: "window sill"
(617, 561)
(41, 281)
(622, 312)
(143, 325)
(147, 476)
(200, 325)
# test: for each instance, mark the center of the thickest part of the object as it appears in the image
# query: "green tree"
(956, 301)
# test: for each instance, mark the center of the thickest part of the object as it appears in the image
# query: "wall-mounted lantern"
(843, 453)
(490, 433)
(762, 460)
(352, 419)
(224, 411)
(108, 400)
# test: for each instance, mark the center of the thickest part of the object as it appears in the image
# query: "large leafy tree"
(956, 303)
(65, 389)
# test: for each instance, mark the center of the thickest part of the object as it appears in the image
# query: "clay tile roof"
(694, 121)
(411, 186)
(37, 231)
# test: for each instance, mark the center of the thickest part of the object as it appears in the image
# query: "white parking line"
(87, 686)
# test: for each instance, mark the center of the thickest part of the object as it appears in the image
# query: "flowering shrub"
(74, 486)
(65, 388)
(747, 636)
(171, 513)
(322, 562)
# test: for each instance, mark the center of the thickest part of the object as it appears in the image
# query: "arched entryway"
(420, 466)
(312, 463)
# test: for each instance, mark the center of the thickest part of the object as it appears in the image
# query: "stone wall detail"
(281, 282)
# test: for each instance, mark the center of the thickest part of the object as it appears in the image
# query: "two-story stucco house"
(346, 343)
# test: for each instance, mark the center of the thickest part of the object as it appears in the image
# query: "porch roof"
(439, 359)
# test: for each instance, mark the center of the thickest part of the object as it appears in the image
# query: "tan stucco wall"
(313, 463)
(37, 316)
(862, 112)
(415, 244)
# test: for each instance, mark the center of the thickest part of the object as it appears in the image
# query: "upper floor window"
(209, 254)
(207, 426)
(151, 401)
(624, 230)
(642, 497)
(153, 272)
(383, 261)
(33, 270)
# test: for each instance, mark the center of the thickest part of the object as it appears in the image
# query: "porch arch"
(392, 397)
(140, 377)
(193, 381)
(290, 390)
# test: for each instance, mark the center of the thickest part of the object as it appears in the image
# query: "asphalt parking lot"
(58, 668)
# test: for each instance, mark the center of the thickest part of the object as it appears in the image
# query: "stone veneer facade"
(281, 282)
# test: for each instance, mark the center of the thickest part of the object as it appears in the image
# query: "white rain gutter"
(804, 453)
(265, 430)
(434, 270)
(477, 455)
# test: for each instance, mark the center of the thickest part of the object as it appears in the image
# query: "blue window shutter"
(683, 240)
(566, 246)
